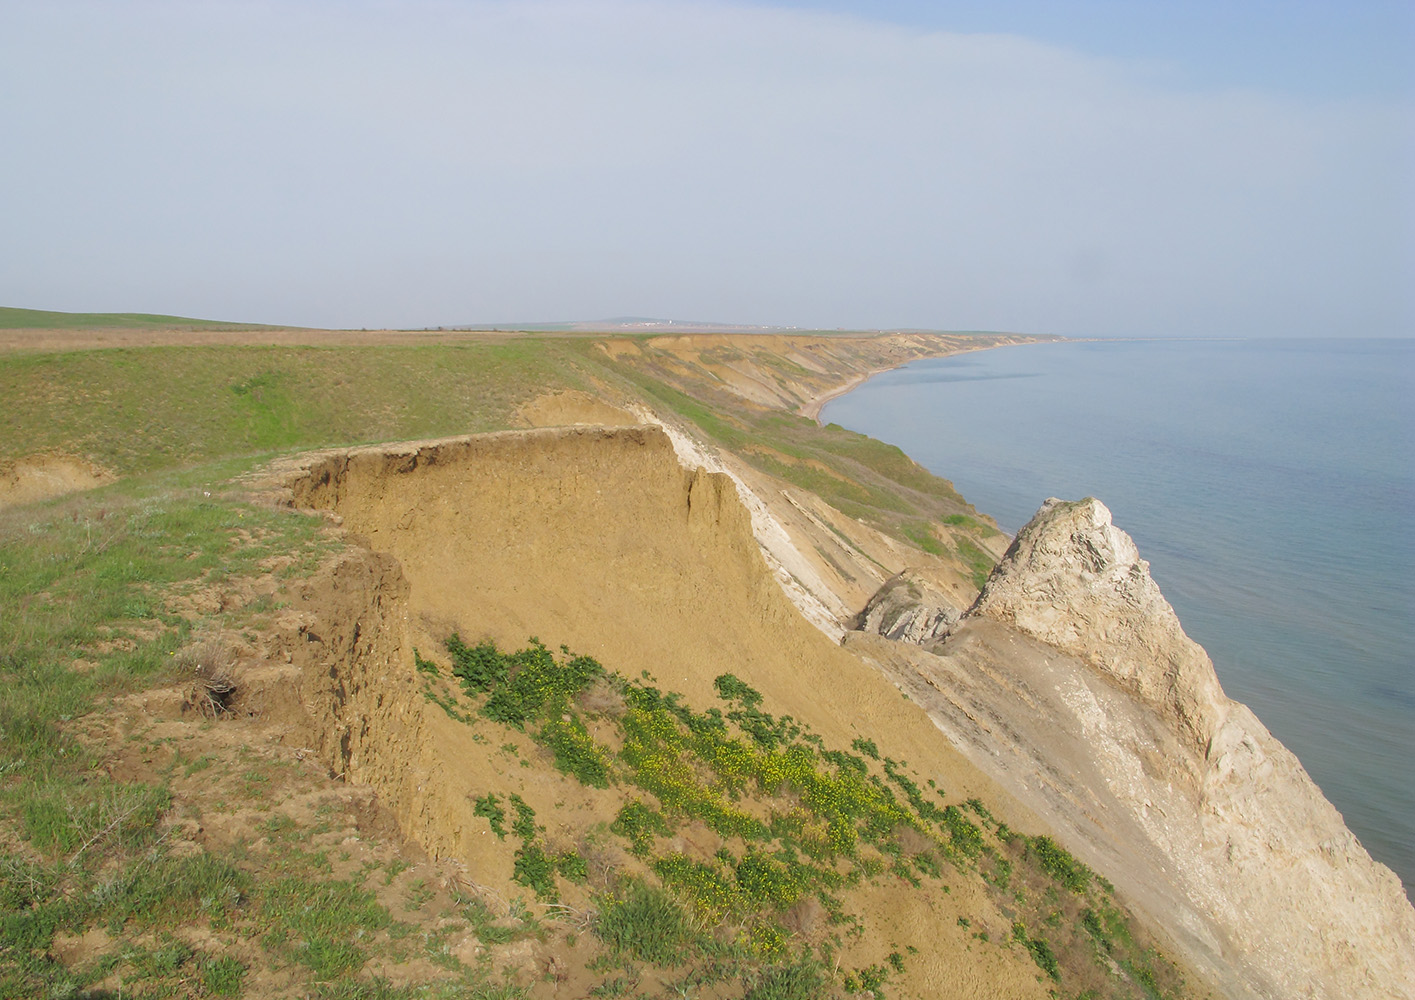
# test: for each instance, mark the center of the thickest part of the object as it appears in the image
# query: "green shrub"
(572, 866)
(866, 747)
(524, 685)
(525, 825)
(490, 809)
(768, 881)
(1057, 862)
(731, 688)
(639, 824)
(1040, 950)
(480, 667)
(645, 924)
(576, 752)
(713, 891)
(964, 835)
(536, 871)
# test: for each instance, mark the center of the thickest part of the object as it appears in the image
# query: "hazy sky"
(1146, 168)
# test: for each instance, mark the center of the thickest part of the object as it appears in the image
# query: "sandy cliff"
(598, 538)
(1071, 681)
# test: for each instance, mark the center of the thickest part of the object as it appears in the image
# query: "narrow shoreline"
(813, 406)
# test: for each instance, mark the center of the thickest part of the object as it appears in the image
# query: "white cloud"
(424, 163)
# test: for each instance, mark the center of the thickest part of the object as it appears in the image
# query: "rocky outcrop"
(908, 608)
(1075, 581)
(1071, 680)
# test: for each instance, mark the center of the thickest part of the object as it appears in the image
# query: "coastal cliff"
(1069, 682)
(1083, 810)
(601, 539)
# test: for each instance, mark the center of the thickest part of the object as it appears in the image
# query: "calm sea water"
(1271, 485)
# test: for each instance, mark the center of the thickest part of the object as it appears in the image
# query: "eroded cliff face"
(600, 539)
(1071, 681)
(797, 371)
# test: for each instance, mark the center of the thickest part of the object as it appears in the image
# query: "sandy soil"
(43, 477)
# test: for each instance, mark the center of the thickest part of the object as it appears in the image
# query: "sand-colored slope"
(42, 477)
(597, 538)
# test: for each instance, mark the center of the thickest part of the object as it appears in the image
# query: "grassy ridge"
(801, 826)
(44, 319)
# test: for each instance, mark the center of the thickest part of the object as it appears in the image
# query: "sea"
(1269, 483)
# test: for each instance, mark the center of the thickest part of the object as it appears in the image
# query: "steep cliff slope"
(599, 539)
(1071, 680)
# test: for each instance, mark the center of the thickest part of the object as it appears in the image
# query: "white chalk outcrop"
(1071, 680)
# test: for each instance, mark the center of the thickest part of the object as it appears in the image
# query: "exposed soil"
(43, 477)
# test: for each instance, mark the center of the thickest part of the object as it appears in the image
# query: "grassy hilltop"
(187, 854)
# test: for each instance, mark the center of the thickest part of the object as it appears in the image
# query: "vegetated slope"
(236, 868)
(790, 372)
(717, 748)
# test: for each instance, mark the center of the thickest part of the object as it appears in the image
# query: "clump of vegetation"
(645, 923)
(639, 825)
(1040, 950)
(1057, 862)
(489, 808)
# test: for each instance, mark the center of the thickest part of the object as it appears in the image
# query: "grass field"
(136, 410)
(42, 319)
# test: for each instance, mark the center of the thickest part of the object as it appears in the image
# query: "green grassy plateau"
(43, 319)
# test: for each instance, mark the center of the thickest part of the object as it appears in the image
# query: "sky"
(1082, 167)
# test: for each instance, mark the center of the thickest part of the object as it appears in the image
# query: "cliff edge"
(1072, 679)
